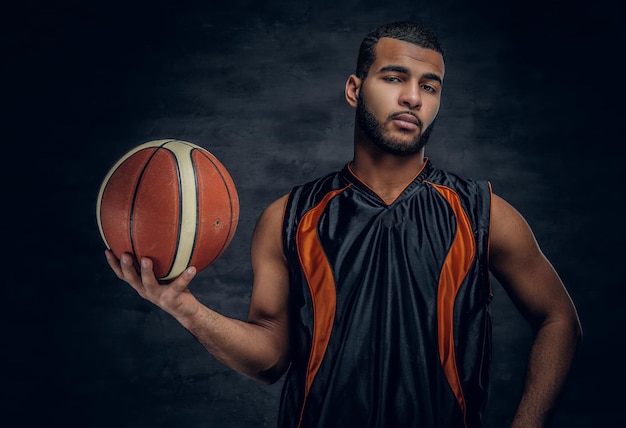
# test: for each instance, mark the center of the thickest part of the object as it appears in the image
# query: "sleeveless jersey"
(389, 303)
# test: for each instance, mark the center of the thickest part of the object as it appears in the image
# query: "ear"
(353, 87)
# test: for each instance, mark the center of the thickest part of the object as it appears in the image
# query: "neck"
(384, 173)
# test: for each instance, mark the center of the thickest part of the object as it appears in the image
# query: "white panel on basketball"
(189, 203)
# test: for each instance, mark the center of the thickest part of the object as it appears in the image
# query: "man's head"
(397, 89)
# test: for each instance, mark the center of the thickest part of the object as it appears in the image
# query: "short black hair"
(411, 32)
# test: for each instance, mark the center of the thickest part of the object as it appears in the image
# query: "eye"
(429, 88)
(391, 79)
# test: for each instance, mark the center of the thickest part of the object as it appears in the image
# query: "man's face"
(398, 101)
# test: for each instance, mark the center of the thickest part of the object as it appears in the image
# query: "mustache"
(408, 112)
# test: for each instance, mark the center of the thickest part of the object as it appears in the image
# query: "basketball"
(171, 201)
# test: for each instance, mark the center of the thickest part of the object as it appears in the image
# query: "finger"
(114, 263)
(148, 278)
(183, 280)
(129, 272)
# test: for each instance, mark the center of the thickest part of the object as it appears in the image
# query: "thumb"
(183, 280)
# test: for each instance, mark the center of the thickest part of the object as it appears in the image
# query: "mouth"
(406, 121)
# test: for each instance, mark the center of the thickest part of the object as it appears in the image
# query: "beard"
(374, 130)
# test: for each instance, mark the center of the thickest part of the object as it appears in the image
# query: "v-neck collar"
(424, 172)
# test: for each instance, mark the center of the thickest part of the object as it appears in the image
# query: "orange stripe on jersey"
(455, 268)
(321, 283)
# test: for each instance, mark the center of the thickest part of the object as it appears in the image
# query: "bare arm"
(539, 294)
(257, 348)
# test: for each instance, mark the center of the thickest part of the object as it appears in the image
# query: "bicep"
(270, 291)
(523, 270)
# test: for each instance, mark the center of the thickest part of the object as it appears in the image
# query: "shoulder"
(272, 215)
(267, 238)
(510, 233)
(505, 219)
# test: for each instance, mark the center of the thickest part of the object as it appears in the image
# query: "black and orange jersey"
(389, 303)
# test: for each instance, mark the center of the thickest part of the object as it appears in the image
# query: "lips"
(407, 121)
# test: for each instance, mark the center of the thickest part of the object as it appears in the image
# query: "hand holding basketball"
(174, 298)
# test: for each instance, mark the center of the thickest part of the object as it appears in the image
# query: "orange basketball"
(169, 200)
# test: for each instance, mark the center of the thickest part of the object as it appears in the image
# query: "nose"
(410, 96)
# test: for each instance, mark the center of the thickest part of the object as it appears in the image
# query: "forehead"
(417, 59)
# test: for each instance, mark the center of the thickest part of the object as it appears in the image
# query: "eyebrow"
(404, 70)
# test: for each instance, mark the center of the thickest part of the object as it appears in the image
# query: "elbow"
(272, 370)
(565, 326)
(574, 327)
(272, 375)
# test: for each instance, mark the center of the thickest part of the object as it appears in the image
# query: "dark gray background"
(533, 101)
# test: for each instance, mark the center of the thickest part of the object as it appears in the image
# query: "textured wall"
(530, 102)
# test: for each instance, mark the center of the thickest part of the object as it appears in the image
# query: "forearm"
(251, 349)
(551, 357)
(259, 348)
